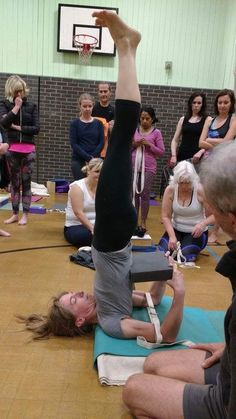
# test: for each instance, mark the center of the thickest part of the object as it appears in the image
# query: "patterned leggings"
(190, 246)
(143, 198)
(20, 168)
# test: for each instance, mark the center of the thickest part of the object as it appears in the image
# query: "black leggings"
(116, 217)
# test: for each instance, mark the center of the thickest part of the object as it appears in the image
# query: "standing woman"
(189, 128)
(147, 146)
(86, 136)
(215, 132)
(19, 118)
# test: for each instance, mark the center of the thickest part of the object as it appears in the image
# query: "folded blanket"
(117, 359)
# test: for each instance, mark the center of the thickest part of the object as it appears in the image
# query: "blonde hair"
(95, 163)
(184, 172)
(13, 84)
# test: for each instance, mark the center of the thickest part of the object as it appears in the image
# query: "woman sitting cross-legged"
(183, 213)
(80, 210)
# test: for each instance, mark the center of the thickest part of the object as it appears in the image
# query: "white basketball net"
(85, 45)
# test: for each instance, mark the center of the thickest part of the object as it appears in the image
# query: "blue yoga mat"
(198, 325)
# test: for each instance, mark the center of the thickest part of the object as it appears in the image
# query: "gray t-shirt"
(113, 289)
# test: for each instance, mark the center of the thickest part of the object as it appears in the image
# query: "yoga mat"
(154, 203)
(58, 206)
(198, 325)
(36, 198)
(8, 206)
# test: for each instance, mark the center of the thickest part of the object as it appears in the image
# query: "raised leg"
(115, 214)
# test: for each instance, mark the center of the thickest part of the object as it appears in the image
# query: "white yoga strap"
(139, 166)
(177, 254)
(141, 341)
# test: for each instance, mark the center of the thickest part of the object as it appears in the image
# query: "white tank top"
(89, 205)
(184, 219)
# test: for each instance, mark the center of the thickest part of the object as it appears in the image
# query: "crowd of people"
(195, 383)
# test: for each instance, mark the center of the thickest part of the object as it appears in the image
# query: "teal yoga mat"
(198, 325)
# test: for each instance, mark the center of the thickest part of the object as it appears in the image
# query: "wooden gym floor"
(55, 378)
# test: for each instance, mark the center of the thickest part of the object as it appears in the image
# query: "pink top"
(22, 148)
(151, 153)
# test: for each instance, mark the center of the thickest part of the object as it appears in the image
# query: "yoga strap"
(141, 341)
(177, 255)
(139, 165)
(180, 259)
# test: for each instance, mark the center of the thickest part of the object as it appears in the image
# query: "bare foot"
(212, 238)
(4, 233)
(13, 219)
(23, 219)
(122, 34)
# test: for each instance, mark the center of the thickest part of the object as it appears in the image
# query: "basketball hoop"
(85, 45)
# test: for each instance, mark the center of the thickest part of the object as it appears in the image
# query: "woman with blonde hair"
(19, 118)
(80, 210)
(86, 136)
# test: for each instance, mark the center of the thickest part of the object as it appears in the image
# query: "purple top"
(155, 150)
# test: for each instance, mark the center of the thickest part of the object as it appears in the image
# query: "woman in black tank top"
(189, 128)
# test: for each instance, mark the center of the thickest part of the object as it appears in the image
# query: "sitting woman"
(80, 210)
(183, 213)
(74, 313)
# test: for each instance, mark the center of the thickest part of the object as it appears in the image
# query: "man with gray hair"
(199, 383)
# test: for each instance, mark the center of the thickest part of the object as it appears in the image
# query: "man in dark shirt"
(103, 108)
(198, 383)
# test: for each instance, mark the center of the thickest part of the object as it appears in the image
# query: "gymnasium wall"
(197, 36)
(57, 101)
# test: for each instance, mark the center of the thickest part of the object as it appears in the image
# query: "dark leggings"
(78, 235)
(116, 217)
(20, 168)
(190, 246)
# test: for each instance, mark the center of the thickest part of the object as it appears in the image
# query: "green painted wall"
(199, 37)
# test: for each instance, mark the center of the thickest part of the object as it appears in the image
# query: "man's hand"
(216, 350)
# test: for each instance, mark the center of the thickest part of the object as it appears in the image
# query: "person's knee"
(131, 391)
(151, 365)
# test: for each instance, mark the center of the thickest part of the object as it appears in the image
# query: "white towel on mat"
(115, 370)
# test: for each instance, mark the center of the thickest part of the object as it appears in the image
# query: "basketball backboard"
(74, 20)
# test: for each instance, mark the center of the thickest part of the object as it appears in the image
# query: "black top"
(227, 267)
(107, 112)
(27, 118)
(191, 132)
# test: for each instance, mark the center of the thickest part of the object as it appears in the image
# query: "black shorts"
(205, 401)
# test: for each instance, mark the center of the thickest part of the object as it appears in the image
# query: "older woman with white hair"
(183, 213)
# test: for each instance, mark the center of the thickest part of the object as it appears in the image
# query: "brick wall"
(57, 101)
